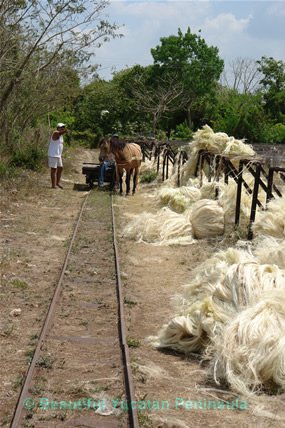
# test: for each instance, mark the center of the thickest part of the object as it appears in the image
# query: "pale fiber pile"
(204, 315)
(219, 142)
(207, 219)
(272, 221)
(212, 218)
(227, 199)
(233, 310)
(269, 249)
(194, 307)
(250, 354)
(214, 142)
(163, 228)
(226, 196)
(221, 295)
(179, 198)
(204, 219)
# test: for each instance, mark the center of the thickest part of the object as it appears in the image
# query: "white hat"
(60, 125)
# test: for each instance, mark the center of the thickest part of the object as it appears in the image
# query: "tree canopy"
(44, 46)
(273, 86)
(189, 58)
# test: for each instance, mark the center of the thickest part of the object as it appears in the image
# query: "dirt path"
(36, 225)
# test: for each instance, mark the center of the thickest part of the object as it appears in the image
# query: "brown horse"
(128, 157)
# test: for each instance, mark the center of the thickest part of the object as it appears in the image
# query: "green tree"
(154, 95)
(52, 27)
(95, 99)
(273, 87)
(108, 106)
(240, 115)
(189, 58)
(44, 46)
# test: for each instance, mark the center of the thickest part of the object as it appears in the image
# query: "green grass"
(18, 283)
(37, 389)
(29, 354)
(148, 176)
(45, 362)
(144, 420)
(129, 302)
(7, 329)
(7, 171)
(133, 343)
(18, 382)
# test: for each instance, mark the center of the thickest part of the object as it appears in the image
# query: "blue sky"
(246, 29)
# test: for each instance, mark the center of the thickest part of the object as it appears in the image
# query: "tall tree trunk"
(189, 116)
(154, 122)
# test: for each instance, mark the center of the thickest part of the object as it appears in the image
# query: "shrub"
(183, 132)
(161, 135)
(148, 176)
(29, 157)
(6, 171)
(85, 138)
(274, 134)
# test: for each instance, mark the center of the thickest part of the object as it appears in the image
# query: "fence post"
(239, 190)
(254, 200)
(269, 195)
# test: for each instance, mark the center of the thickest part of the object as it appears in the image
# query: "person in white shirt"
(54, 155)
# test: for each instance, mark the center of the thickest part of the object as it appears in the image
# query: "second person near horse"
(106, 159)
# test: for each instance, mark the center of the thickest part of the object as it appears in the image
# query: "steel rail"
(19, 410)
(132, 414)
(133, 417)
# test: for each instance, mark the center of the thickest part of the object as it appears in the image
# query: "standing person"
(54, 155)
(106, 159)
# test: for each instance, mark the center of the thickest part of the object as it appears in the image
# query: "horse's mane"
(117, 145)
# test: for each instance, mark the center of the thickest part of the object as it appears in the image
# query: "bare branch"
(242, 75)
(44, 29)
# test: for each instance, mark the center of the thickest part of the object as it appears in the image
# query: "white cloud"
(227, 22)
(276, 9)
(162, 10)
(234, 27)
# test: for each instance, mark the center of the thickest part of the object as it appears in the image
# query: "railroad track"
(79, 374)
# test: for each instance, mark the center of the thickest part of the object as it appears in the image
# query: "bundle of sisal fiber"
(220, 142)
(182, 334)
(227, 199)
(179, 198)
(250, 353)
(241, 286)
(272, 221)
(268, 248)
(214, 142)
(207, 219)
(197, 315)
(219, 291)
(163, 228)
(211, 190)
